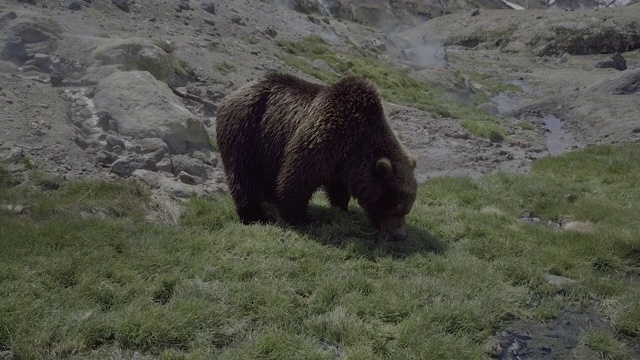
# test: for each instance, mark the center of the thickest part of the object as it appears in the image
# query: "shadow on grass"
(353, 230)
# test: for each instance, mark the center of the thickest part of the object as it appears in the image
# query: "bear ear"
(384, 167)
(413, 162)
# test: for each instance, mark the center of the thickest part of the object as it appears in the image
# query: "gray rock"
(122, 4)
(105, 157)
(85, 114)
(14, 50)
(624, 84)
(56, 78)
(559, 280)
(7, 16)
(182, 5)
(39, 60)
(151, 178)
(126, 166)
(179, 189)
(75, 6)
(16, 154)
(165, 165)
(143, 107)
(33, 30)
(8, 67)
(189, 179)
(616, 61)
(187, 164)
(209, 7)
(150, 145)
(475, 12)
(135, 54)
(113, 141)
(194, 90)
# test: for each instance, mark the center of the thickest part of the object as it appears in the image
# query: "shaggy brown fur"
(281, 138)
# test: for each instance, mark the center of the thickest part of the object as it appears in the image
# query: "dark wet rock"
(56, 78)
(624, 84)
(616, 61)
(209, 7)
(188, 164)
(271, 32)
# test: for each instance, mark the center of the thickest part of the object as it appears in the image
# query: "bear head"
(390, 195)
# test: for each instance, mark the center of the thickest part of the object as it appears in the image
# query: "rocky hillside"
(126, 89)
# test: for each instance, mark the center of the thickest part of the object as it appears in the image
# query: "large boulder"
(135, 54)
(22, 36)
(615, 61)
(624, 84)
(144, 107)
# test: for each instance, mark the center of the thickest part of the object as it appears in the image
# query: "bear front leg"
(294, 189)
(338, 195)
(248, 201)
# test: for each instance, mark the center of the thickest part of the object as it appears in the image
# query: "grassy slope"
(396, 85)
(89, 287)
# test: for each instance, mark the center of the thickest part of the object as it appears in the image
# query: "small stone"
(122, 4)
(85, 114)
(187, 178)
(559, 280)
(271, 32)
(238, 20)
(209, 22)
(75, 6)
(164, 165)
(209, 7)
(105, 157)
(475, 12)
(580, 226)
(194, 90)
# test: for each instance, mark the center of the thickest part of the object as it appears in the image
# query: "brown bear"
(281, 138)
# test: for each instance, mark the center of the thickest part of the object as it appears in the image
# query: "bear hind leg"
(338, 195)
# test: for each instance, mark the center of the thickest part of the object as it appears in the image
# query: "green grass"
(225, 68)
(396, 84)
(93, 286)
